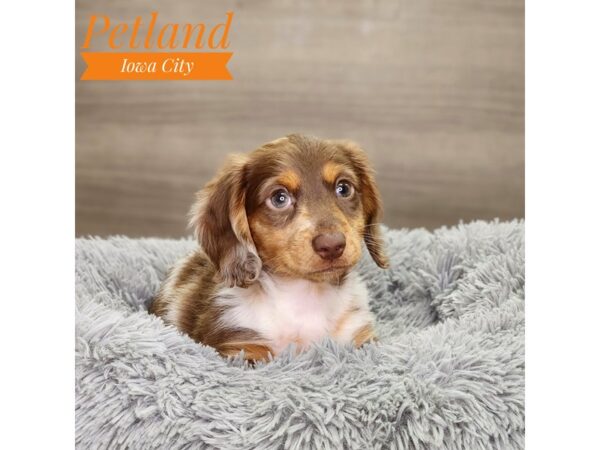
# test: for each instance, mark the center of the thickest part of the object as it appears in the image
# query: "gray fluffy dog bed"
(448, 372)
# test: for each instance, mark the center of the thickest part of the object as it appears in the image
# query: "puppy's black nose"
(329, 245)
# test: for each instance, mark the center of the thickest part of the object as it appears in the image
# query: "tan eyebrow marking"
(289, 179)
(331, 171)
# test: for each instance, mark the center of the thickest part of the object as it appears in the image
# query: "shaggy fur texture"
(447, 373)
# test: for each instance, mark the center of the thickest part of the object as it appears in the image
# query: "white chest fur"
(299, 312)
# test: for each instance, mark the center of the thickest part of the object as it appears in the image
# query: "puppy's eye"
(344, 189)
(280, 199)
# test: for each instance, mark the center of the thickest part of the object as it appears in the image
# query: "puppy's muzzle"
(329, 246)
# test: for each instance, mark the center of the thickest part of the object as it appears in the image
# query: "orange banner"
(156, 66)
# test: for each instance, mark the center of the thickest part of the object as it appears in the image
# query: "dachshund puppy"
(280, 231)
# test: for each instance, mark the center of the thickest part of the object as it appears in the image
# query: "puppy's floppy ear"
(221, 226)
(371, 202)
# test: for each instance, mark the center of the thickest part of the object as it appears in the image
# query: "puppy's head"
(297, 207)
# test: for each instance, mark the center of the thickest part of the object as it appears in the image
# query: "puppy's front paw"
(253, 352)
(363, 335)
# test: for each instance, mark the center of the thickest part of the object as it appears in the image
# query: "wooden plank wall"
(433, 90)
